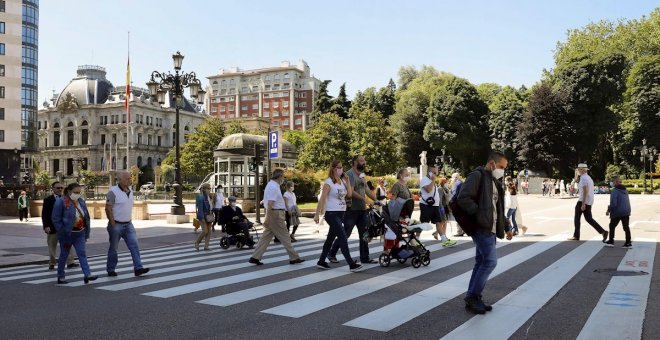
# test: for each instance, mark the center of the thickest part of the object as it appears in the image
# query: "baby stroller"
(401, 244)
(375, 224)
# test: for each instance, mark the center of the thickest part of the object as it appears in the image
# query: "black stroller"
(405, 245)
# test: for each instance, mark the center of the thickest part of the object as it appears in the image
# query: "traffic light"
(26, 179)
(253, 164)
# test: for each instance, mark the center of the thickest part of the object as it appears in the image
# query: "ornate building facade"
(84, 127)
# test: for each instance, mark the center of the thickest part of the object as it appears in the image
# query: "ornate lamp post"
(442, 161)
(175, 83)
(644, 153)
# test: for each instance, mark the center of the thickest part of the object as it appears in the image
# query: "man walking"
(119, 208)
(275, 221)
(356, 210)
(455, 184)
(49, 228)
(482, 197)
(583, 206)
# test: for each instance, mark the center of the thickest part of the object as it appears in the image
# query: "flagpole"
(128, 97)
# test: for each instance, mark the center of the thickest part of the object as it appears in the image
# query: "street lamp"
(175, 83)
(644, 153)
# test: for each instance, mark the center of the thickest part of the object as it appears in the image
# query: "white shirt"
(336, 197)
(219, 200)
(511, 201)
(586, 181)
(273, 193)
(290, 200)
(434, 192)
(122, 204)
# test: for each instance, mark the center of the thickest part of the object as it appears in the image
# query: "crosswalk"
(385, 300)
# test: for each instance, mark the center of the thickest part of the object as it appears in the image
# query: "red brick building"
(283, 94)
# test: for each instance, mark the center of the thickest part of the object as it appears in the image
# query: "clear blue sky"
(360, 42)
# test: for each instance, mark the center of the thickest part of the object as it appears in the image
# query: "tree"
(328, 140)
(341, 104)
(323, 101)
(488, 92)
(297, 138)
(544, 131)
(457, 122)
(197, 152)
(366, 100)
(643, 102)
(406, 75)
(374, 140)
(386, 99)
(506, 114)
(234, 126)
(92, 179)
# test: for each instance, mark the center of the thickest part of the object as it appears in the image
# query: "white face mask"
(292, 189)
(498, 173)
(75, 197)
(406, 179)
(431, 174)
(232, 204)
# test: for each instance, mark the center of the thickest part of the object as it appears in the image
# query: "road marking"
(620, 311)
(282, 286)
(389, 317)
(315, 303)
(512, 311)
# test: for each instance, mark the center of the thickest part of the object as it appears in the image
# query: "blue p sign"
(273, 144)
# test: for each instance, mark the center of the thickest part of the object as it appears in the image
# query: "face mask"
(292, 189)
(498, 173)
(339, 172)
(406, 179)
(612, 184)
(232, 204)
(75, 197)
(360, 167)
(431, 174)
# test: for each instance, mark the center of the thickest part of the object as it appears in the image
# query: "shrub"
(306, 184)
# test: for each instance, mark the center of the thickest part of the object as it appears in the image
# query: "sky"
(362, 43)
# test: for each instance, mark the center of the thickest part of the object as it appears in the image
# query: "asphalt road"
(544, 288)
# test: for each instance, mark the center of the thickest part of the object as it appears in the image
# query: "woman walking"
(72, 223)
(511, 203)
(23, 204)
(204, 216)
(400, 188)
(292, 210)
(218, 199)
(333, 201)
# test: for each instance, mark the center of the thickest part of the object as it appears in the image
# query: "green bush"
(630, 183)
(636, 191)
(307, 185)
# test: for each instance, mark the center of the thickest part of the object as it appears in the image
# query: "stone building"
(84, 126)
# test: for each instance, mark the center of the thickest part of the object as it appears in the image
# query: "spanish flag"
(128, 90)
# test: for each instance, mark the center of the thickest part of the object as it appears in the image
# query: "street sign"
(274, 145)
(526, 172)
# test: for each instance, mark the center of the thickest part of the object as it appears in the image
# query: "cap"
(232, 199)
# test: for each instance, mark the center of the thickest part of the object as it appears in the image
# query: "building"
(19, 27)
(284, 95)
(84, 126)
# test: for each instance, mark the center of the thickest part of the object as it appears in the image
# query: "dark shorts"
(431, 214)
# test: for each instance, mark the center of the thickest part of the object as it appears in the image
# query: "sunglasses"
(58, 188)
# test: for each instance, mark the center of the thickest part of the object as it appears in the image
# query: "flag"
(128, 90)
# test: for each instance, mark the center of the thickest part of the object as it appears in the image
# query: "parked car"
(147, 186)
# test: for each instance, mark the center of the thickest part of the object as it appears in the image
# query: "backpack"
(466, 221)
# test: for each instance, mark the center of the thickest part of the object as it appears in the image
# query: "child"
(619, 210)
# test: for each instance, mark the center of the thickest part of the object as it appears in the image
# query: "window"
(266, 113)
(2, 114)
(255, 106)
(102, 139)
(222, 109)
(266, 105)
(303, 95)
(223, 91)
(2, 27)
(255, 88)
(285, 122)
(276, 123)
(287, 76)
(268, 77)
(214, 109)
(277, 76)
(2, 48)
(267, 87)
(2, 91)
(298, 122)
(276, 105)
(276, 114)
(276, 87)
(231, 107)
(149, 140)
(85, 137)
(160, 140)
(303, 104)
(2, 70)
(139, 141)
(2, 135)
(2, 6)
(244, 89)
(69, 137)
(244, 107)
(266, 95)
(285, 103)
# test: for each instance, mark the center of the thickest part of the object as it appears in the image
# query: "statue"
(422, 158)
(69, 103)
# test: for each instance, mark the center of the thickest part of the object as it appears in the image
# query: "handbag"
(431, 199)
(209, 218)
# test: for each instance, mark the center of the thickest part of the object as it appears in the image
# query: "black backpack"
(466, 221)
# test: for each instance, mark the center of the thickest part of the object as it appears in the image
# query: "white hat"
(583, 166)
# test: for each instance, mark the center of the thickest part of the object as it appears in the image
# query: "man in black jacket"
(49, 229)
(482, 196)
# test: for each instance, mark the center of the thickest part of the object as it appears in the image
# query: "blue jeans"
(512, 215)
(484, 262)
(127, 232)
(334, 219)
(351, 219)
(76, 240)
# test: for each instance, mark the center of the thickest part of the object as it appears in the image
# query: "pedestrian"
(119, 207)
(381, 192)
(274, 223)
(218, 199)
(292, 210)
(168, 187)
(356, 210)
(335, 189)
(482, 197)
(231, 213)
(511, 205)
(400, 188)
(525, 186)
(23, 204)
(455, 183)
(583, 206)
(432, 208)
(204, 215)
(619, 210)
(49, 228)
(72, 223)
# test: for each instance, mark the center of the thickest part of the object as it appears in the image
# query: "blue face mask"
(612, 184)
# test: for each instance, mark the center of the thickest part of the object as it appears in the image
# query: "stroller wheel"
(416, 262)
(384, 260)
(402, 261)
(239, 244)
(224, 243)
(426, 260)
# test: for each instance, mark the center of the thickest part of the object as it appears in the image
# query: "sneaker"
(605, 234)
(488, 308)
(141, 271)
(332, 259)
(73, 265)
(609, 243)
(475, 306)
(573, 238)
(627, 245)
(296, 261)
(355, 267)
(323, 265)
(449, 243)
(112, 273)
(255, 261)
(293, 239)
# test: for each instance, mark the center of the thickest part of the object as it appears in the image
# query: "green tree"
(643, 102)
(197, 152)
(506, 114)
(341, 104)
(406, 75)
(234, 126)
(322, 102)
(375, 141)
(91, 179)
(328, 140)
(457, 122)
(365, 100)
(386, 99)
(296, 137)
(488, 92)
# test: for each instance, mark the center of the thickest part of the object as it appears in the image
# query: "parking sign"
(274, 147)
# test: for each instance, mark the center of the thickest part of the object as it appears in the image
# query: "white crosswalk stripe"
(213, 279)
